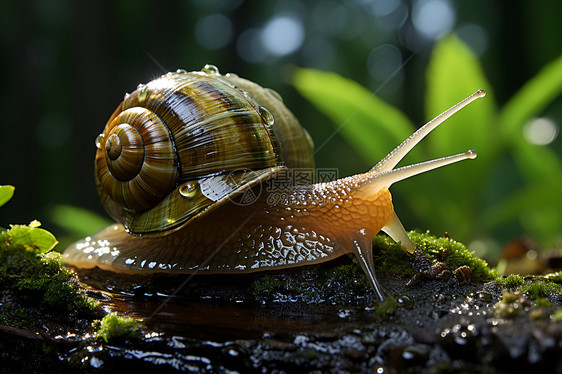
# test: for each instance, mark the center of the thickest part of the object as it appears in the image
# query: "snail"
(189, 164)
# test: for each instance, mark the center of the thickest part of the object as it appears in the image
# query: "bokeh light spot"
(213, 31)
(475, 36)
(282, 35)
(433, 18)
(541, 131)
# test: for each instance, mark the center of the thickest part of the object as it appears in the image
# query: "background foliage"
(67, 64)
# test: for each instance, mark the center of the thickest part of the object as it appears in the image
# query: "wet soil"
(303, 321)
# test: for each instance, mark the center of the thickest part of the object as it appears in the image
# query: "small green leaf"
(32, 237)
(6, 193)
(372, 126)
(34, 224)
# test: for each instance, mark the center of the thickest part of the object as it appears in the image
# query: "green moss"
(540, 289)
(115, 328)
(36, 279)
(349, 276)
(555, 277)
(513, 281)
(266, 285)
(386, 308)
(511, 305)
(558, 315)
(543, 302)
(391, 257)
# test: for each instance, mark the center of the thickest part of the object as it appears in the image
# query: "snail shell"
(215, 139)
(181, 145)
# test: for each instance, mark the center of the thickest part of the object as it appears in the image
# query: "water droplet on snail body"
(181, 71)
(210, 69)
(188, 189)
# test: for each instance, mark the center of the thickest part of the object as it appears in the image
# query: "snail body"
(216, 215)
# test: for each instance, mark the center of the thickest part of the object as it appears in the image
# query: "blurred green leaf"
(78, 221)
(532, 98)
(530, 197)
(6, 193)
(32, 237)
(454, 72)
(372, 126)
(535, 162)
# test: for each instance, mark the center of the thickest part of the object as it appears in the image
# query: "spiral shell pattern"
(184, 143)
(140, 160)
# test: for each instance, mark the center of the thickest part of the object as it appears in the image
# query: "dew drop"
(188, 189)
(98, 140)
(231, 75)
(141, 95)
(210, 69)
(266, 116)
(126, 96)
(181, 71)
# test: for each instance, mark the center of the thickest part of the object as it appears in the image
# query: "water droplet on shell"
(210, 69)
(188, 189)
(141, 95)
(266, 116)
(98, 140)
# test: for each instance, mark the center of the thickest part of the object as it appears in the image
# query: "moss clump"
(513, 281)
(539, 289)
(511, 305)
(385, 309)
(391, 257)
(555, 277)
(114, 328)
(266, 285)
(30, 278)
(347, 277)
(557, 315)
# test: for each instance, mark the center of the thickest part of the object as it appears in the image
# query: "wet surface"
(298, 323)
(306, 321)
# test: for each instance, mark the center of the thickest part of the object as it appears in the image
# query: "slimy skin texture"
(310, 224)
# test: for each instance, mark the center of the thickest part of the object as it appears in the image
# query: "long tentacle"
(393, 158)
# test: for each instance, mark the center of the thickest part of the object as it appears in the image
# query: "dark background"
(66, 65)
